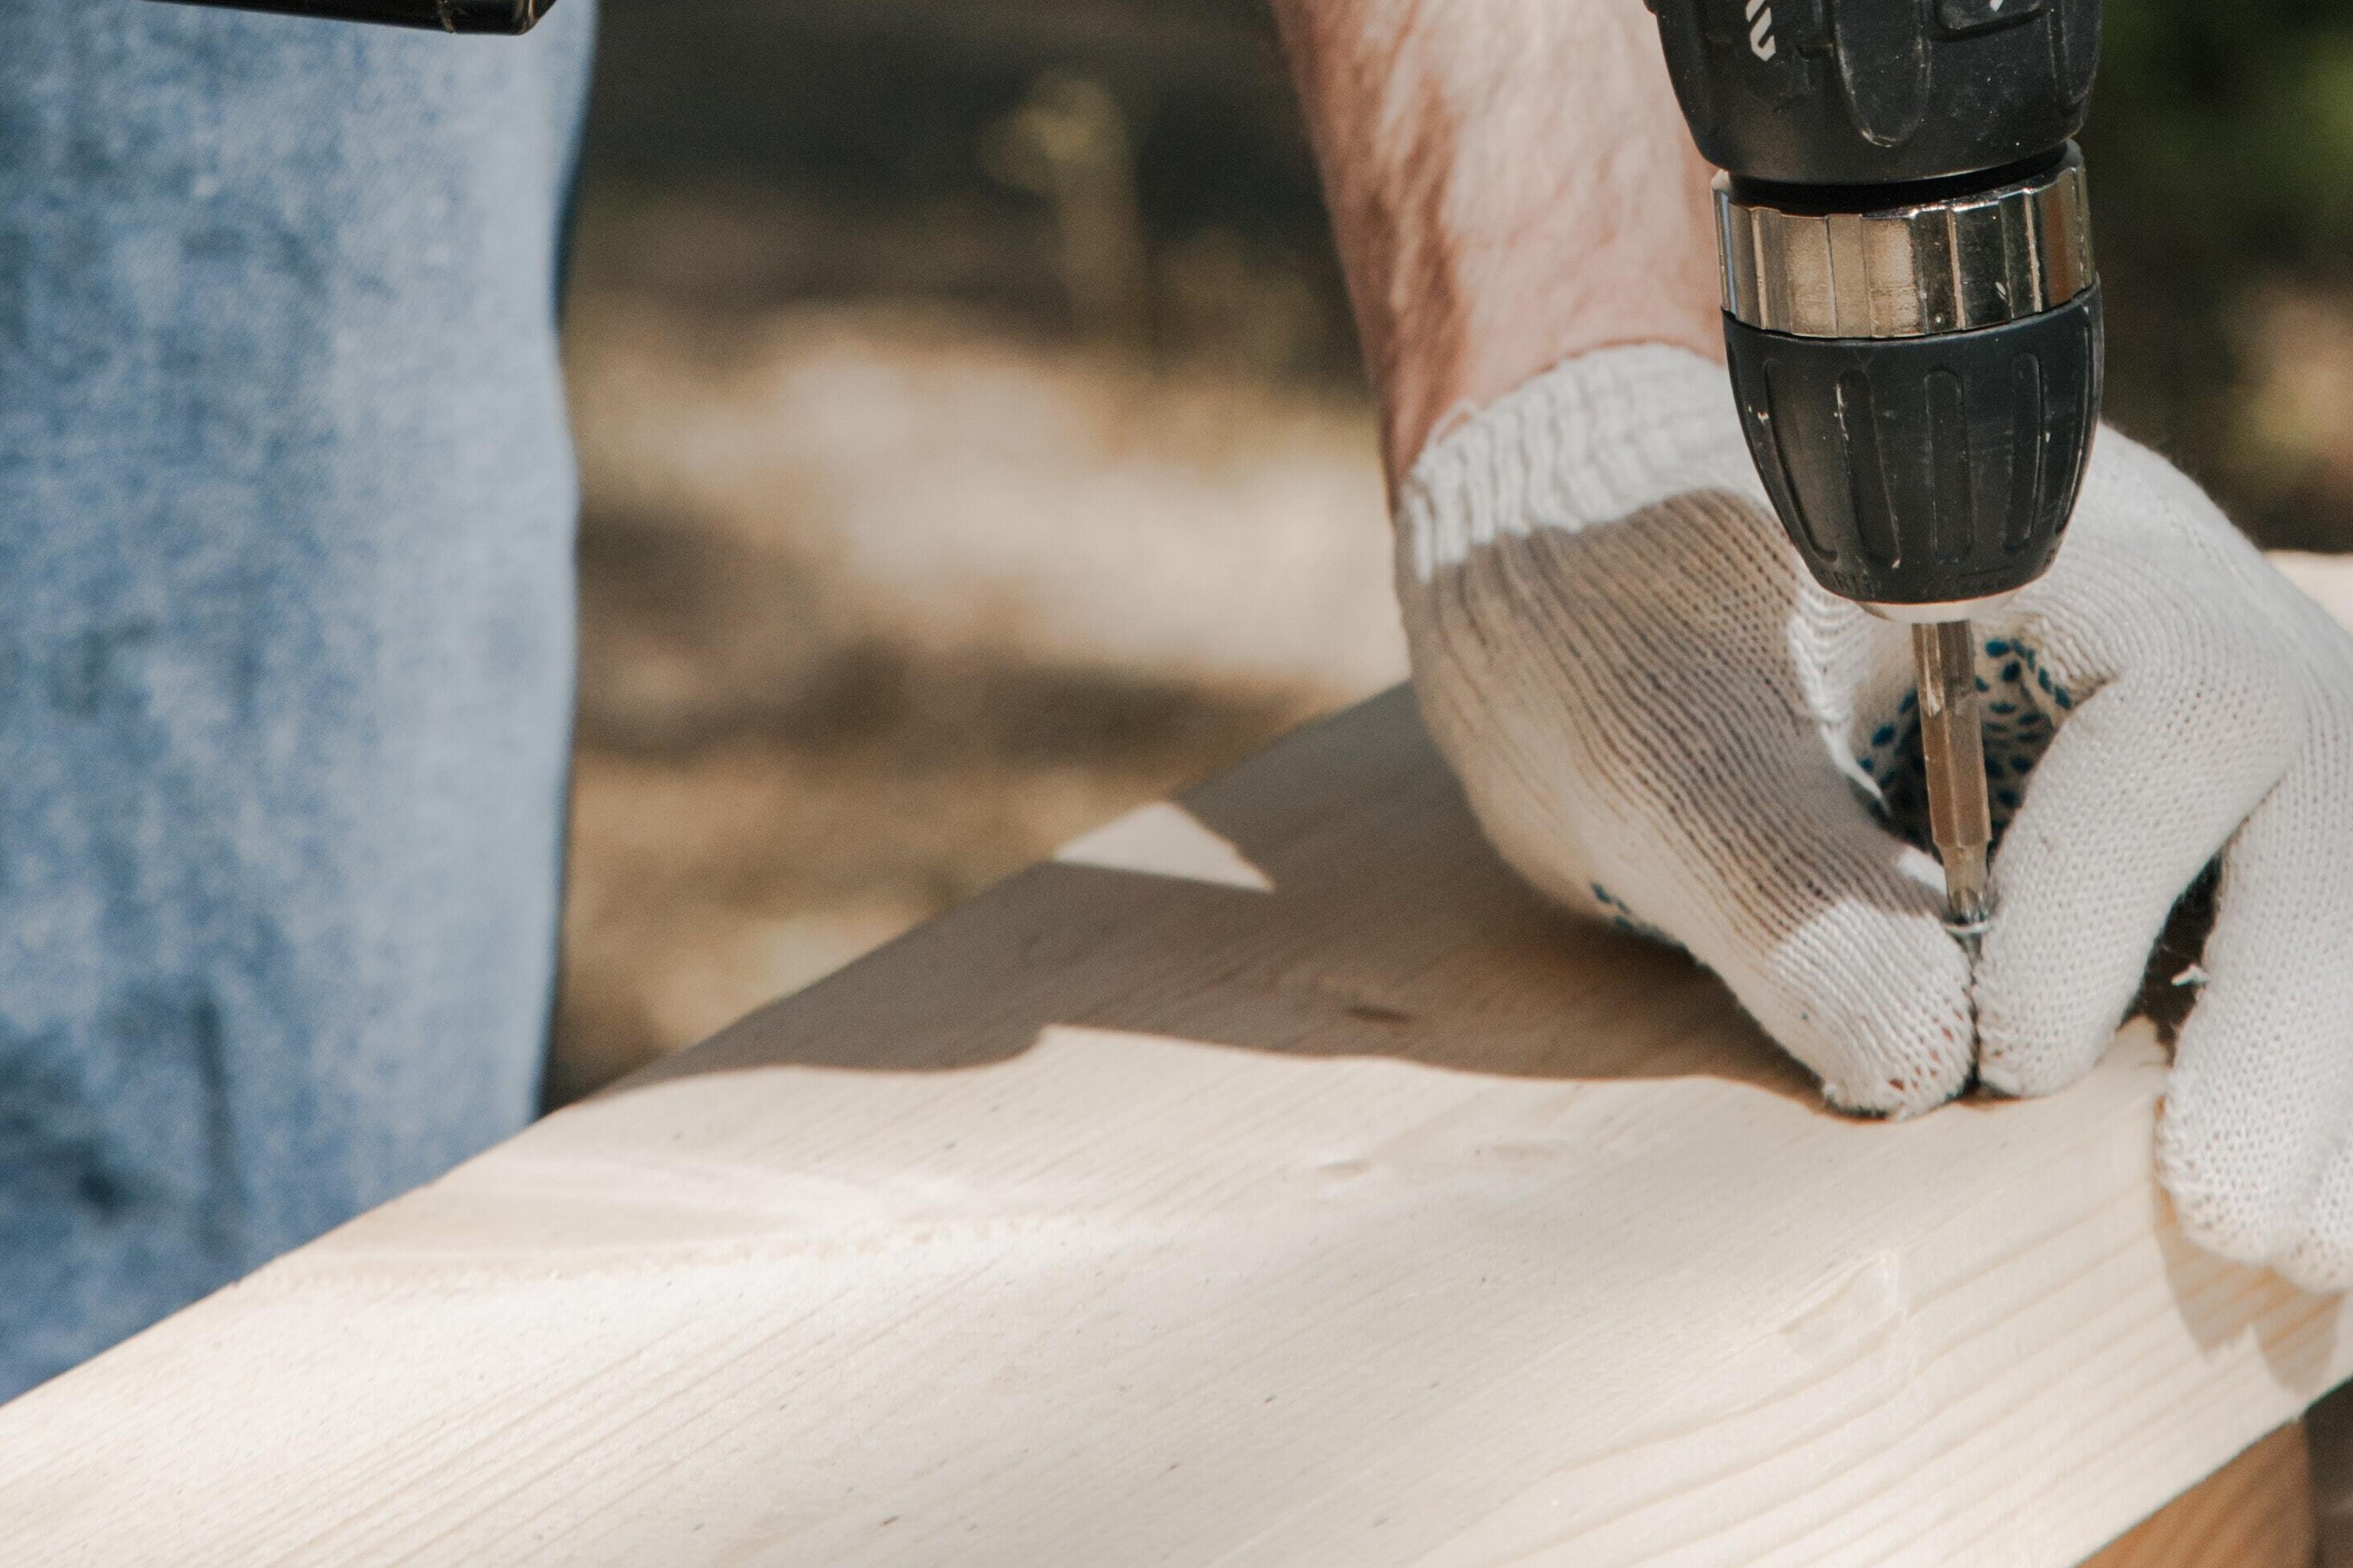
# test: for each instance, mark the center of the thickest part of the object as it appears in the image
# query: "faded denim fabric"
(287, 511)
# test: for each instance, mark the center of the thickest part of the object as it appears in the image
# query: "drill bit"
(1952, 741)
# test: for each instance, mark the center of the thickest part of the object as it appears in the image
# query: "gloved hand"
(1660, 718)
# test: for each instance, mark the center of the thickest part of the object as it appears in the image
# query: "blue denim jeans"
(287, 509)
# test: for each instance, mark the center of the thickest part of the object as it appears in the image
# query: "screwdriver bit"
(1952, 743)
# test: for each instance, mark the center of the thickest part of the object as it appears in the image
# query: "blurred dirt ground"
(972, 449)
(884, 599)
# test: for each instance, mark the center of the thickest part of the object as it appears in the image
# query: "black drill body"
(1931, 461)
(439, 15)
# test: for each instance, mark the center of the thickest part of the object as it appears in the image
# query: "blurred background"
(975, 443)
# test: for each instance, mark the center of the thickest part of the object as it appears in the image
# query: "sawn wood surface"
(1273, 1181)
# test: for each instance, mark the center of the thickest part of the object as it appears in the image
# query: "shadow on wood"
(1391, 929)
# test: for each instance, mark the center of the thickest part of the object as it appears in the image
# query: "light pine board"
(1308, 1195)
(1381, 1217)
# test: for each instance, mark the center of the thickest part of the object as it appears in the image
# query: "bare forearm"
(1511, 184)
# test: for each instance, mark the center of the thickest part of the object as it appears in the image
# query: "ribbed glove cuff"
(1589, 441)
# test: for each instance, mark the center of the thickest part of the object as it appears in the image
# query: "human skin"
(1511, 185)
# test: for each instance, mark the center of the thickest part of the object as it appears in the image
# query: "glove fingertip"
(2026, 1058)
(2325, 1268)
(1900, 1043)
(1908, 1081)
(2320, 1258)
(2222, 1205)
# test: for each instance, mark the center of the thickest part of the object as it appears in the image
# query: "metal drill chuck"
(1941, 266)
(1919, 380)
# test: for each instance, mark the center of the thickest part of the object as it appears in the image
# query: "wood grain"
(2254, 1512)
(1295, 1190)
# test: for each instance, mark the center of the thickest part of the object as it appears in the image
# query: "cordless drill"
(1910, 314)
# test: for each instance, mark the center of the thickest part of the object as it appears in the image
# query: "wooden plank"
(1327, 1201)
(1384, 1217)
(2254, 1512)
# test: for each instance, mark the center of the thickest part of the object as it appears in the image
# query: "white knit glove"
(1659, 716)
